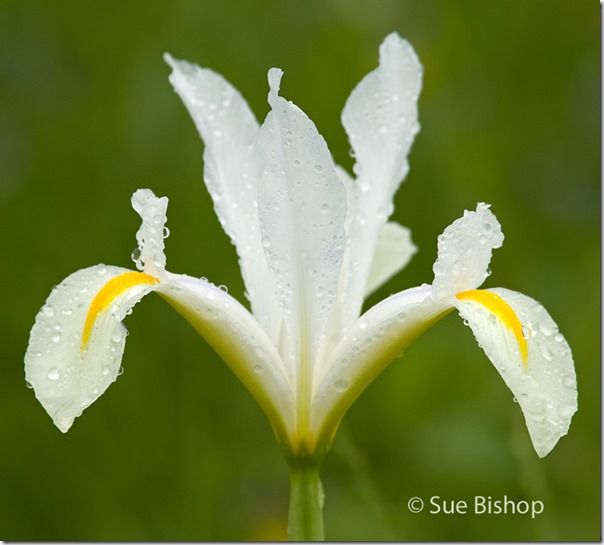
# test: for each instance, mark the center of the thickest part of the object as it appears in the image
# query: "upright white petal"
(380, 118)
(376, 338)
(302, 209)
(464, 251)
(393, 251)
(68, 366)
(544, 384)
(231, 169)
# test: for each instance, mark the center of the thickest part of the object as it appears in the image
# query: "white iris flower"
(312, 243)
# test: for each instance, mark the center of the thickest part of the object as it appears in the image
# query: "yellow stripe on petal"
(108, 293)
(502, 310)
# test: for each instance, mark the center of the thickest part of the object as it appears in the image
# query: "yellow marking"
(108, 293)
(500, 308)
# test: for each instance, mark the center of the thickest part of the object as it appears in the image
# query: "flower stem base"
(305, 522)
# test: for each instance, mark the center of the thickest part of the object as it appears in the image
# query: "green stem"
(305, 521)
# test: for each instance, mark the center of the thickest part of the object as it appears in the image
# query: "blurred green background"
(176, 449)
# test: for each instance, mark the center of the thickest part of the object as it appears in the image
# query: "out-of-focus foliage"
(176, 449)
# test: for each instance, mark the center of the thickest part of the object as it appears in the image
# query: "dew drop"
(341, 385)
(166, 232)
(570, 382)
(105, 370)
(136, 256)
(546, 329)
(324, 207)
(28, 384)
(257, 368)
(48, 311)
(53, 373)
(546, 353)
(318, 168)
(56, 338)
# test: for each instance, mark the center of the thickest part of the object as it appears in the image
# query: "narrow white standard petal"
(393, 251)
(464, 252)
(231, 168)
(377, 337)
(239, 340)
(531, 355)
(302, 208)
(380, 117)
(77, 341)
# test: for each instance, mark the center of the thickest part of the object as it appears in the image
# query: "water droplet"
(67, 312)
(53, 373)
(318, 168)
(120, 371)
(257, 368)
(401, 316)
(223, 288)
(266, 242)
(116, 336)
(341, 385)
(324, 207)
(546, 328)
(105, 370)
(136, 257)
(570, 382)
(166, 232)
(566, 411)
(559, 338)
(546, 352)
(48, 311)
(56, 338)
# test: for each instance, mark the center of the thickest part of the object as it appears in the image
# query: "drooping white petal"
(231, 169)
(68, 371)
(380, 118)
(375, 339)
(151, 234)
(544, 385)
(393, 251)
(464, 251)
(238, 339)
(302, 208)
